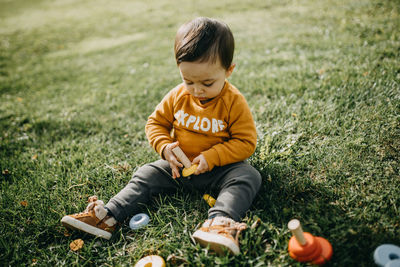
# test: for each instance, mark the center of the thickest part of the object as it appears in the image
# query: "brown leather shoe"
(93, 220)
(221, 234)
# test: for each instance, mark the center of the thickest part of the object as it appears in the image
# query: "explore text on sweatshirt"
(222, 129)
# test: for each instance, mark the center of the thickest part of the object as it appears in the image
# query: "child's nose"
(198, 90)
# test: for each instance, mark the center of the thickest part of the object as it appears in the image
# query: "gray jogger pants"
(236, 183)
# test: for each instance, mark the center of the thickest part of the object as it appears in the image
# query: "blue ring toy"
(386, 253)
(138, 221)
(393, 263)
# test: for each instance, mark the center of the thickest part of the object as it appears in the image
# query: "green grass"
(79, 78)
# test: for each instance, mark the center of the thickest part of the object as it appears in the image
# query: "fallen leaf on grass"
(76, 244)
(66, 233)
(34, 157)
(19, 99)
(24, 203)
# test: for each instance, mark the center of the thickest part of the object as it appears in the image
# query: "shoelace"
(239, 227)
(92, 203)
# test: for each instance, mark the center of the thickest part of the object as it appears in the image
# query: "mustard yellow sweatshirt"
(223, 129)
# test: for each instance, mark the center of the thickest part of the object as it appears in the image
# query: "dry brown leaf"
(76, 244)
(34, 157)
(24, 203)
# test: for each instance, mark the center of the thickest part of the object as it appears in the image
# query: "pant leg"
(238, 184)
(148, 180)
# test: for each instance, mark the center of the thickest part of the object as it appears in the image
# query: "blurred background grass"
(78, 80)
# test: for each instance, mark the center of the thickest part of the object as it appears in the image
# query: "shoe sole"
(73, 223)
(216, 242)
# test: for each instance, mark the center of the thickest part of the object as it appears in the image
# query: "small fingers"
(196, 160)
(175, 144)
(174, 165)
(199, 170)
(173, 161)
(175, 173)
(178, 164)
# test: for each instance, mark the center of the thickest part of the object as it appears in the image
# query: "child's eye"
(208, 84)
(188, 83)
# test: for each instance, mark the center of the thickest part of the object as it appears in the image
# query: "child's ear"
(230, 70)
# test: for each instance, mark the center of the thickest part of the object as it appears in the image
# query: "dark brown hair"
(204, 39)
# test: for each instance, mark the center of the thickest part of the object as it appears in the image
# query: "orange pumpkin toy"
(305, 247)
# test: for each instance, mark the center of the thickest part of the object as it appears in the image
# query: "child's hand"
(173, 161)
(203, 165)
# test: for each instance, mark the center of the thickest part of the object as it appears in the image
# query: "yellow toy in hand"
(189, 168)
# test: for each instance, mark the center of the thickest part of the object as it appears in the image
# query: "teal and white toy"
(387, 255)
(138, 221)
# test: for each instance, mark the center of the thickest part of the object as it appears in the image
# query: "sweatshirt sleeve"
(159, 124)
(243, 137)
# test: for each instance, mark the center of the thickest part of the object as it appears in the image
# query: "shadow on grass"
(22, 133)
(24, 138)
(286, 194)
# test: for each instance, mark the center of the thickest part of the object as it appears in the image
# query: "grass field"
(79, 78)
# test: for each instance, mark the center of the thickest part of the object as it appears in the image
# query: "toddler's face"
(204, 80)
